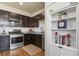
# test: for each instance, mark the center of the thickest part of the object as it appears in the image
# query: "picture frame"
(62, 24)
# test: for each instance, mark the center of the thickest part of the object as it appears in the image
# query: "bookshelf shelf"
(63, 29)
(67, 18)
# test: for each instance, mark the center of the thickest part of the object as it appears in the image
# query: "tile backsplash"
(23, 29)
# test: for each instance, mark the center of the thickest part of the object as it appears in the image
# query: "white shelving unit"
(70, 16)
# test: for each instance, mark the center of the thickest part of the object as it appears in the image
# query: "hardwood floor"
(19, 52)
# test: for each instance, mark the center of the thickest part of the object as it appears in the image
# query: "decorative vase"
(68, 40)
(56, 37)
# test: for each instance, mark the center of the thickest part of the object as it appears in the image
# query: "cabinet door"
(39, 16)
(31, 22)
(54, 50)
(39, 41)
(25, 20)
(14, 16)
(27, 39)
(68, 52)
(4, 43)
(33, 37)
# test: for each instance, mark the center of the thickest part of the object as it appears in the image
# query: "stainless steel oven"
(16, 40)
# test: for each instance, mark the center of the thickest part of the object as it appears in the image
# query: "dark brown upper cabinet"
(16, 20)
(24, 20)
(29, 21)
(3, 14)
(39, 16)
(14, 15)
(32, 22)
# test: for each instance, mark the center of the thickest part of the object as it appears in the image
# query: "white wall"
(42, 25)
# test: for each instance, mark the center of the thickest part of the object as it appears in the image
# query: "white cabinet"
(56, 13)
(68, 52)
(54, 50)
(61, 51)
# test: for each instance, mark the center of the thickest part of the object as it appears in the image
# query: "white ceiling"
(30, 7)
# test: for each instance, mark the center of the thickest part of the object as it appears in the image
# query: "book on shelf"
(63, 39)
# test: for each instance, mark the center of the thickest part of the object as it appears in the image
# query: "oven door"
(16, 39)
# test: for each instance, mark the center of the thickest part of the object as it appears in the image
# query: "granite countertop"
(39, 33)
(1, 34)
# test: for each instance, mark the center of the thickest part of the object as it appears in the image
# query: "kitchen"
(39, 29)
(22, 28)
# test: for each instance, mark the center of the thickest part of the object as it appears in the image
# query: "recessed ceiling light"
(21, 3)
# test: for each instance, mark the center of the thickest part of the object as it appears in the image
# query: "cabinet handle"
(59, 47)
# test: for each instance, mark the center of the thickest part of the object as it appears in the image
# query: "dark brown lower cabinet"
(27, 39)
(4, 42)
(35, 39)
